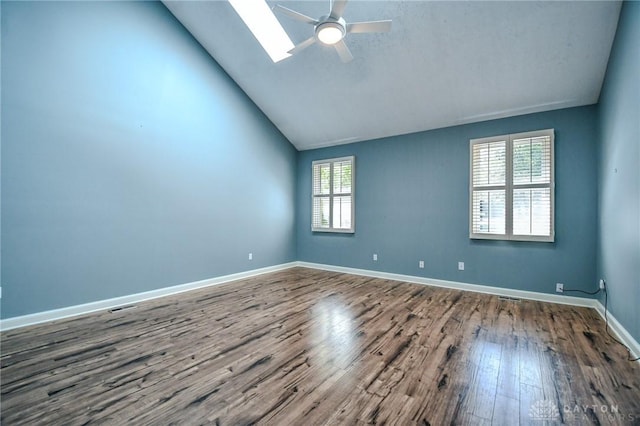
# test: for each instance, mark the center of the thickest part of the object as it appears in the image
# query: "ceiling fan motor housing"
(330, 30)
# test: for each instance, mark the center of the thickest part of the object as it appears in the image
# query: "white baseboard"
(622, 334)
(499, 291)
(86, 308)
(71, 311)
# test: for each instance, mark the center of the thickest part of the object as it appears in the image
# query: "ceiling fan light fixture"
(330, 32)
(331, 29)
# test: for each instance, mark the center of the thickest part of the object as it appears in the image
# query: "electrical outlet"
(559, 288)
(602, 284)
(460, 266)
(375, 257)
(421, 264)
(250, 256)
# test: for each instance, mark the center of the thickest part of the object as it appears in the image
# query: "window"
(333, 185)
(512, 187)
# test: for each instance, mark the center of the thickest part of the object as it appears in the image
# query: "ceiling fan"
(332, 29)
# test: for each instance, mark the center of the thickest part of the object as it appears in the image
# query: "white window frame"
(331, 195)
(509, 188)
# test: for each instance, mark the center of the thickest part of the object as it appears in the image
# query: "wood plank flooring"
(312, 347)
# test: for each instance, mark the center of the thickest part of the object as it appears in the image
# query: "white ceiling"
(442, 64)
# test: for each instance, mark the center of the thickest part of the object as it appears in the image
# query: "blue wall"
(619, 173)
(412, 204)
(130, 160)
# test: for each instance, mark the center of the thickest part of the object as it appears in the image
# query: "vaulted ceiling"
(442, 64)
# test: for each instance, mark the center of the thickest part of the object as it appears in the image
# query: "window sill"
(334, 230)
(524, 238)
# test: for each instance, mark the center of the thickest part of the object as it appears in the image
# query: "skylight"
(257, 15)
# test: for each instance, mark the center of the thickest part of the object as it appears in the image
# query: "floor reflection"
(333, 331)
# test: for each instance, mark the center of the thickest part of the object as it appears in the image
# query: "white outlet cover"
(375, 256)
(250, 256)
(421, 264)
(460, 266)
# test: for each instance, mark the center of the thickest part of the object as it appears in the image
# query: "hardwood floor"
(312, 347)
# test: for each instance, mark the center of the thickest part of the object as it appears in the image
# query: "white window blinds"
(489, 187)
(333, 185)
(512, 187)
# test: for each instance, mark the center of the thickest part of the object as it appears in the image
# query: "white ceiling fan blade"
(303, 45)
(337, 8)
(296, 15)
(343, 51)
(369, 27)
